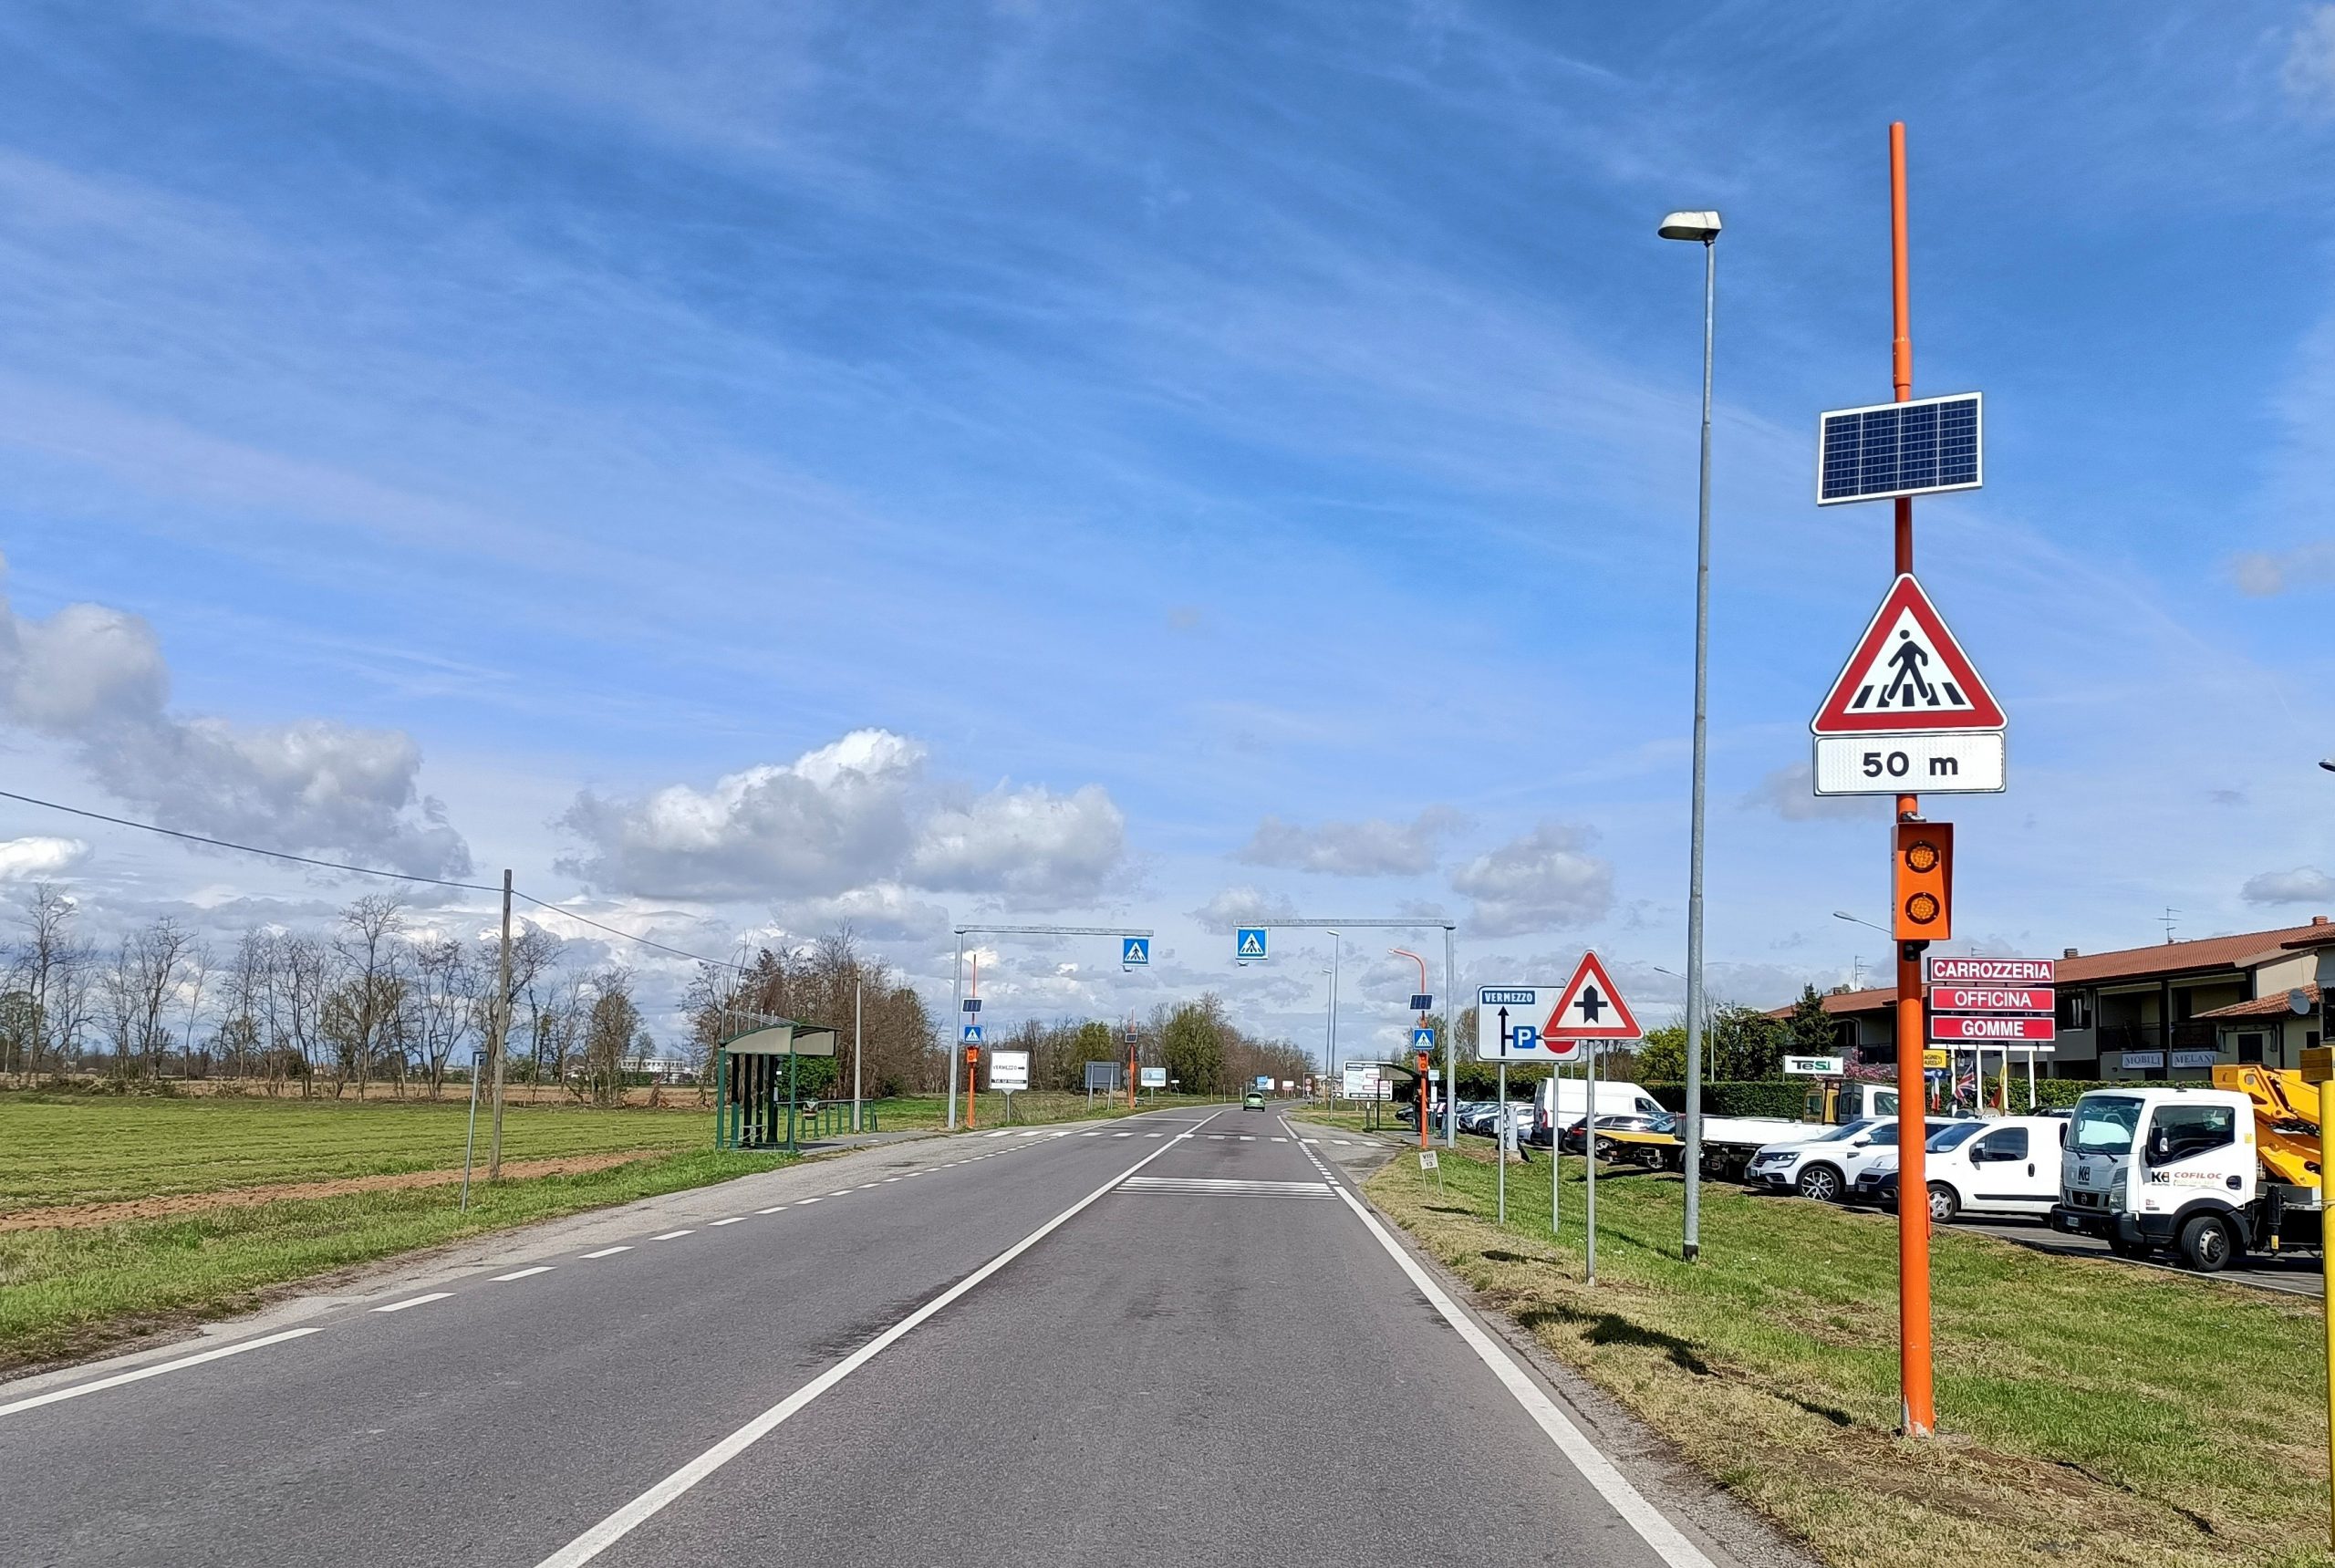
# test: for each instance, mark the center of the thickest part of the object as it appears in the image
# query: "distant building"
(662, 1069)
(2170, 1012)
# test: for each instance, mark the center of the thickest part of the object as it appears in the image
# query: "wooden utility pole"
(499, 1031)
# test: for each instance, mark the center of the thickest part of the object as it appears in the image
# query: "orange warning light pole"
(973, 1053)
(1419, 1059)
(1918, 1408)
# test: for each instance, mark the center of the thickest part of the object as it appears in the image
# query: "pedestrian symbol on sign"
(1249, 943)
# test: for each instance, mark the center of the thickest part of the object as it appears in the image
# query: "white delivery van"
(1564, 1101)
(2007, 1165)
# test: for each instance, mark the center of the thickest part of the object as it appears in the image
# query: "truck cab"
(1840, 1101)
(2145, 1169)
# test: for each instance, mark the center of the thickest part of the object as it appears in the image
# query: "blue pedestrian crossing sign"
(1422, 1039)
(1134, 951)
(1248, 943)
(973, 1034)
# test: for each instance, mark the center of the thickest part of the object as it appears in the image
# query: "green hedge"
(1740, 1097)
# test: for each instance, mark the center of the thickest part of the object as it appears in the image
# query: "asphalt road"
(1161, 1339)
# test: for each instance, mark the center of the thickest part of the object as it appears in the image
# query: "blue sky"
(1233, 458)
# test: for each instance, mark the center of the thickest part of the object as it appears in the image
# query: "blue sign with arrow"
(1134, 951)
(1248, 943)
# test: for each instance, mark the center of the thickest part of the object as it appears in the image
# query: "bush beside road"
(2090, 1412)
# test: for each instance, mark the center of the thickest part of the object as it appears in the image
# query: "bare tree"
(365, 1012)
(610, 1035)
(52, 968)
(305, 977)
(449, 990)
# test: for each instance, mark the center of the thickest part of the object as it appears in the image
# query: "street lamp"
(1859, 920)
(1329, 1027)
(1336, 943)
(1702, 228)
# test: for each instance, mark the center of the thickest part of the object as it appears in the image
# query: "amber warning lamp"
(1924, 878)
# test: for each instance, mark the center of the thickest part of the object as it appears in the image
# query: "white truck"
(2145, 1169)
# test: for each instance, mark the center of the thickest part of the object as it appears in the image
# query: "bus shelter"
(756, 1104)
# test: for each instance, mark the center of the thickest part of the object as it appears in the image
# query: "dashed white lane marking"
(673, 1235)
(1226, 1187)
(1090, 1135)
(1281, 1140)
(773, 1209)
(889, 1179)
(733, 1219)
(1248, 1137)
(1155, 1135)
(1624, 1499)
(140, 1374)
(806, 1200)
(649, 1503)
(608, 1252)
(414, 1301)
(1122, 1135)
(522, 1273)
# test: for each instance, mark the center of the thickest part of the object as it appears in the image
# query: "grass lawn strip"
(69, 1294)
(2091, 1412)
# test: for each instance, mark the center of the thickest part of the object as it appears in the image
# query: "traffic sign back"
(1590, 1007)
(1908, 673)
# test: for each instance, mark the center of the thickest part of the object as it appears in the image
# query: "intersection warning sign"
(1590, 1007)
(1908, 673)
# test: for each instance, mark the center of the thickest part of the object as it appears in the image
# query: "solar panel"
(1898, 449)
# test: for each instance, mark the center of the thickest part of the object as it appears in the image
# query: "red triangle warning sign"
(1907, 674)
(1590, 1007)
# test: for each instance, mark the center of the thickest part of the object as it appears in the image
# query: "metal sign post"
(1507, 1134)
(1589, 1149)
(470, 1139)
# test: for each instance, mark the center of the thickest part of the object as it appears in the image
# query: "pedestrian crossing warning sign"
(1908, 673)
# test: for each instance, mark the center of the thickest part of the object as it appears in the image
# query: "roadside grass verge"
(1357, 1121)
(64, 1149)
(2090, 1411)
(74, 1292)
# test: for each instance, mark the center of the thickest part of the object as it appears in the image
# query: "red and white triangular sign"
(1907, 673)
(1590, 1007)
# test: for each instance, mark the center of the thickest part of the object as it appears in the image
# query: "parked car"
(1574, 1139)
(1810, 1165)
(2007, 1165)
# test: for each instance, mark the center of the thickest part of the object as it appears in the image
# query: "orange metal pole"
(1919, 1408)
(972, 1063)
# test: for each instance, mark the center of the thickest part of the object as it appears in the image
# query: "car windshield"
(1955, 1137)
(2104, 1125)
(1847, 1130)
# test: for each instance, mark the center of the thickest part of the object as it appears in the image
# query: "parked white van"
(2007, 1165)
(1567, 1100)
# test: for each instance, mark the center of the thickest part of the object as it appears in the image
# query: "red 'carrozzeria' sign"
(1992, 972)
(1993, 998)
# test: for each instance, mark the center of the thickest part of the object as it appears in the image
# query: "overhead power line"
(369, 871)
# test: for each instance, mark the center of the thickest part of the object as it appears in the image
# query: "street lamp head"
(2328, 763)
(1702, 226)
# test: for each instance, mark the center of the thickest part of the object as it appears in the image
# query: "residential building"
(2170, 1012)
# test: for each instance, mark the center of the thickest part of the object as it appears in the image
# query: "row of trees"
(1740, 1043)
(368, 999)
(1202, 1049)
(833, 982)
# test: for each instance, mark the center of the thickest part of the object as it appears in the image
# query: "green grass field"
(1034, 1107)
(77, 1291)
(78, 1149)
(2089, 1411)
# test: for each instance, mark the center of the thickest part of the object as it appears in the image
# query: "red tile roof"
(2265, 1006)
(2243, 951)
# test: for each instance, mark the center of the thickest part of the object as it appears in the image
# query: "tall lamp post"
(1702, 229)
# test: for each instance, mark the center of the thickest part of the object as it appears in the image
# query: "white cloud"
(1543, 881)
(841, 821)
(2304, 884)
(2264, 573)
(1044, 850)
(2308, 75)
(21, 859)
(1373, 848)
(882, 912)
(94, 678)
(1790, 794)
(1243, 907)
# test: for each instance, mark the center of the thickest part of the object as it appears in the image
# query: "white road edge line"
(609, 1252)
(653, 1501)
(733, 1219)
(673, 1235)
(414, 1301)
(1624, 1499)
(140, 1374)
(522, 1273)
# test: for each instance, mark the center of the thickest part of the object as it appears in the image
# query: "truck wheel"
(2207, 1245)
(1821, 1182)
(1943, 1204)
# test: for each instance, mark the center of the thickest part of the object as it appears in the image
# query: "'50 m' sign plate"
(1970, 763)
